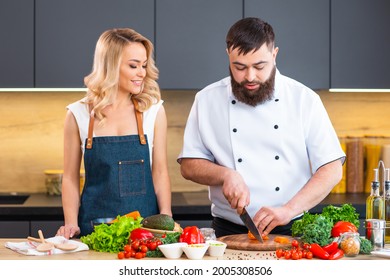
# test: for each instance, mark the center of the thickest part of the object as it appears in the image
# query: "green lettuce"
(111, 237)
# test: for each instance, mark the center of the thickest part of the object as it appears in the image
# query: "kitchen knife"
(251, 225)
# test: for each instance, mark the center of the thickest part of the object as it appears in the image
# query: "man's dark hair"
(249, 34)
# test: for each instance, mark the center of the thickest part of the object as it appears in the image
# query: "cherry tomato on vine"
(287, 255)
(152, 246)
(139, 255)
(279, 253)
(309, 255)
(295, 255)
(121, 255)
(143, 248)
(127, 248)
(295, 243)
(135, 245)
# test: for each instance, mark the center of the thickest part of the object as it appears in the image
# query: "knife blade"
(251, 225)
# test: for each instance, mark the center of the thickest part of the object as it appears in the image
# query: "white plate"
(381, 253)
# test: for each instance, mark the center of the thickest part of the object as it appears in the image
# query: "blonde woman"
(119, 128)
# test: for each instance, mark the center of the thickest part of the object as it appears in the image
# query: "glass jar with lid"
(350, 244)
(53, 181)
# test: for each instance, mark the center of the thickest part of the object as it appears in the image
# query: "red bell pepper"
(140, 234)
(318, 251)
(191, 235)
(331, 247)
(341, 226)
(338, 254)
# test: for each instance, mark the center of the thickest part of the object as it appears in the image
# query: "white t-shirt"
(81, 113)
(275, 146)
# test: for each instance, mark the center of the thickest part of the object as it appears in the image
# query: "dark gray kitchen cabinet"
(14, 229)
(323, 43)
(360, 44)
(67, 31)
(302, 34)
(190, 41)
(17, 43)
(49, 228)
(22, 229)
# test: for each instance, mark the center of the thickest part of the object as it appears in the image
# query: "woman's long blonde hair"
(102, 82)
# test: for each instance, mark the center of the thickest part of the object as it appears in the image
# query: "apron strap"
(90, 130)
(138, 116)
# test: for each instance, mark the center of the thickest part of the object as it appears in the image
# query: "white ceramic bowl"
(195, 251)
(173, 250)
(216, 248)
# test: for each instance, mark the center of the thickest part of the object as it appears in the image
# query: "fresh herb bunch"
(346, 213)
(319, 231)
(365, 246)
(316, 228)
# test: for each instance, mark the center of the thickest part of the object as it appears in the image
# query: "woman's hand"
(68, 231)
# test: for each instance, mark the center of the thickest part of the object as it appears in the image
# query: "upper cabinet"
(17, 44)
(190, 41)
(67, 32)
(360, 44)
(323, 43)
(302, 34)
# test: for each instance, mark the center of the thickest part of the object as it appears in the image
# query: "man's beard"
(264, 93)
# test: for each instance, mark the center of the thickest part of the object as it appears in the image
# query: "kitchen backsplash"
(31, 131)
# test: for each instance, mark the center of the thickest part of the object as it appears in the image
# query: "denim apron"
(118, 177)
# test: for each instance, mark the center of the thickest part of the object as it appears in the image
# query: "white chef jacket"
(80, 111)
(275, 146)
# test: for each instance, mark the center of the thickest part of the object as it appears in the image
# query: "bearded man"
(259, 139)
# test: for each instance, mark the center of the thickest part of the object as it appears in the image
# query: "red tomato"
(300, 254)
(341, 226)
(139, 255)
(287, 255)
(121, 255)
(152, 245)
(127, 255)
(279, 253)
(143, 248)
(295, 243)
(309, 255)
(295, 255)
(135, 245)
(132, 253)
(127, 248)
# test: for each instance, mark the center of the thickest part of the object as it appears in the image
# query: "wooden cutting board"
(242, 242)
